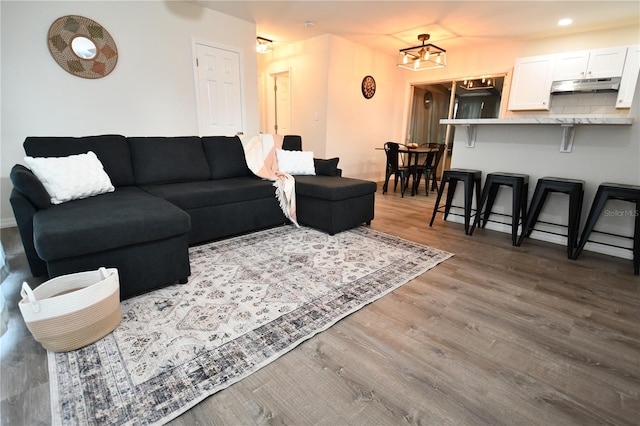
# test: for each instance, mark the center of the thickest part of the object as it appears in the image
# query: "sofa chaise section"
(144, 236)
(126, 229)
(29, 196)
(328, 201)
(334, 204)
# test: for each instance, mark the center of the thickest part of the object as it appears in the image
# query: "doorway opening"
(460, 99)
(278, 103)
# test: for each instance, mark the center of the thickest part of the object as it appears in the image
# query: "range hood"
(585, 86)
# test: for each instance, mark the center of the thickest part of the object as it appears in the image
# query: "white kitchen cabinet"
(531, 83)
(629, 77)
(599, 63)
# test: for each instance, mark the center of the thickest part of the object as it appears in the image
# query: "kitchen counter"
(541, 120)
(605, 150)
(566, 123)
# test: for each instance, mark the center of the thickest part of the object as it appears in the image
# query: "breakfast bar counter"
(541, 120)
(567, 124)
(595, 150)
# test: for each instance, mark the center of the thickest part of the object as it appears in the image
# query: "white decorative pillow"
(70, 178)
(295, 162)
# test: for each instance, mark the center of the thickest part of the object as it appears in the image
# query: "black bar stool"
(471, 179)
(575, 189)
(520, 185)
(614, 191)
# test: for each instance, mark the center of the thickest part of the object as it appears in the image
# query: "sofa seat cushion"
(193, 195)
(333, 188)
(125, 217)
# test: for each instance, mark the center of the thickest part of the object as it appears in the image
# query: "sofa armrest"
(24, 210)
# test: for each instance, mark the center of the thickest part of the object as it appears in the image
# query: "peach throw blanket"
(260, 152)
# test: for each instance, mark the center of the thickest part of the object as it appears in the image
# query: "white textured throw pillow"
(70, 178)
(295, 162)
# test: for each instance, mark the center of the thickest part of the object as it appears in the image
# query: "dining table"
(413, 155)
(413, 160)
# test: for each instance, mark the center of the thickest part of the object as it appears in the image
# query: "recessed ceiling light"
(565, 21)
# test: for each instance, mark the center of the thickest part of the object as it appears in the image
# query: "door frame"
(194, 56)
(267, 96)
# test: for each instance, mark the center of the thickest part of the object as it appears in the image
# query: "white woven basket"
(72, 311)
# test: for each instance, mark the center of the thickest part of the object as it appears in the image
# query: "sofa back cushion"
(168, 159)
(328, 167)
(225, 156)
(112, 151)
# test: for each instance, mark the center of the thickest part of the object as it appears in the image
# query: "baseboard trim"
(552, 238)
(8, 223)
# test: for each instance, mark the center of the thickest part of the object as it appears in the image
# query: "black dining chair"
(292, 143)
(429, 168)
(395, 167)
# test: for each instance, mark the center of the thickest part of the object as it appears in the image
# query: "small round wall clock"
(428, 100)
(368, 87)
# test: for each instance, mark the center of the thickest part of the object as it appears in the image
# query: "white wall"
(306, 62)
(150, 92)
(328, 109)
(356, 125)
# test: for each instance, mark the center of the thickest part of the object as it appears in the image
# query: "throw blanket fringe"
(260, 152)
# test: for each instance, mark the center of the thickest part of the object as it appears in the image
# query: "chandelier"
(264, 45)
(422, 57)
(478, 83)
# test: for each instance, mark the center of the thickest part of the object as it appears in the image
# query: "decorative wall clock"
(368, 87)
(428, 99)
(82, 46)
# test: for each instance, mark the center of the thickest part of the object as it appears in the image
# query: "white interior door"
(219, 92)
(279, 103)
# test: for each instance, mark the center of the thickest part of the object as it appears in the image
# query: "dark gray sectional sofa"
(170, 193)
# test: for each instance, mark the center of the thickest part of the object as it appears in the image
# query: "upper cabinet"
(629, 77)
(600, 63)
(533, 76)
(531, 83)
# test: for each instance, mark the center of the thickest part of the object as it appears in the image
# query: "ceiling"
(388, 26)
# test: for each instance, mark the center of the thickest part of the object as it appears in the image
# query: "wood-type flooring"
(496, 335)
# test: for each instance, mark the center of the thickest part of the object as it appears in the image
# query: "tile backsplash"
(600, 105)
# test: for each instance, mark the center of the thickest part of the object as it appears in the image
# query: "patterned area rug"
(248, 301)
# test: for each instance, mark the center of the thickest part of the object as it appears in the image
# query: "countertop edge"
(546, 121)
